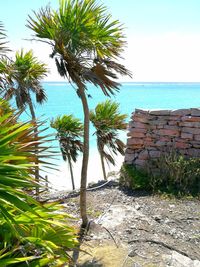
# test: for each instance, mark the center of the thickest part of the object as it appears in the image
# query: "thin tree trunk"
(71, 172)
(37, 175)
(103, 165)
(83, 200)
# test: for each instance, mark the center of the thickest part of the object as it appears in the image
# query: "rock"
(135, 141)
(195, 111)
(190, 119)
(143, 155)
(88, 238)
(167, 132)
(141, 111)
(178, 260)
(196, 137)
(129, 231)
(132, 254)
(141, 118)
(135, 134)
(157, 218)
(191, 130)
(181, 112)
(181, 145)
(154, 154)
(187, 136)
(137, 207)
(160, 112)
(140, 163)
(139, 125)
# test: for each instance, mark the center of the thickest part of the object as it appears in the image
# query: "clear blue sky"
(163, 35)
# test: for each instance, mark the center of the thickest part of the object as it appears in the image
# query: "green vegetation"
(69, 132)
(21, 77)
(3, 43)
(135, 179)
(107, 120)
(175, 175)
(86, 45)
(178, 175)
(31, 233)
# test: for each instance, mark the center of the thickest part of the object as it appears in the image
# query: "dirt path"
(136, 229)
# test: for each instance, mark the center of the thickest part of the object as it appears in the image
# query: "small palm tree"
(107, 120)
(22, 76)
(70, 130)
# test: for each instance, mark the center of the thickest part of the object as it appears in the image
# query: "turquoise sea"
(62, 99)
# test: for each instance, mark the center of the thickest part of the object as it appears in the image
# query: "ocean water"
(62, 99)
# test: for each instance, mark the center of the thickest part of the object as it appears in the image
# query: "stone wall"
(154, 132)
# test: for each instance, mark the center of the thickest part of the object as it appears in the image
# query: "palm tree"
(85, 44)
(22, 76)
(107, 120)
(69, 130)
(32, 233)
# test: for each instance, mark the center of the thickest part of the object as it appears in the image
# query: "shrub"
(174, 174)
(177, 174)
(133, 178)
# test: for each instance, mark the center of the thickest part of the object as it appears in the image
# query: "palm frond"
(3, 43)
(85, 42)
(22, 75)
(30, 233)
(69, 131)
(107, 120)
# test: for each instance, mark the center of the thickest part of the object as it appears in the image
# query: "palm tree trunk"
(103, 165)
(37, 175)
(71, 172)
(83, 198)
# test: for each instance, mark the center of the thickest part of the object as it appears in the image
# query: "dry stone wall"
(155, 132)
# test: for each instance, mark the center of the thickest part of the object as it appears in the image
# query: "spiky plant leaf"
(30, 232)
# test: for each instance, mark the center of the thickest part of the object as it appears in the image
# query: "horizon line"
(58, 81)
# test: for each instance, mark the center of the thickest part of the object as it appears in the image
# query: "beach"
(60, 180)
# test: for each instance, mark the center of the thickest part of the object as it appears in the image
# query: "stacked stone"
(154, 132)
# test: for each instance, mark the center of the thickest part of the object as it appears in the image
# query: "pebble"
(157, 218)
(129, 231)
(137, 207)
(132, 254)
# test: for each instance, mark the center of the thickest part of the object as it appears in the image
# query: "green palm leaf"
(28, 230)
(107, 120)
(69, 133)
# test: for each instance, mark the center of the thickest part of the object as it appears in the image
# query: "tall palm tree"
(69, 132)
(22, 76)
(107, 120)
(86, 45)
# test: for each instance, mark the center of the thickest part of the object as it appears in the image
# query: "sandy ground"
(135, 229)
(60, 180)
